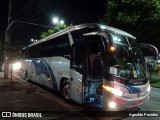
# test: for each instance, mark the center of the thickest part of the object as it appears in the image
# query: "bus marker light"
(149, 88)
(49, 78)
(112, 48)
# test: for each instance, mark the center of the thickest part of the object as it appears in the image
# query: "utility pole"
(7, 42)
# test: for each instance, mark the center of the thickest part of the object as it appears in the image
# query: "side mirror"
(152, 48)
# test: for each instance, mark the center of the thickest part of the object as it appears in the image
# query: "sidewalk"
(17, 96)
(23, 96)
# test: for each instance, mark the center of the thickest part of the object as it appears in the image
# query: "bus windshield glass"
(126, 59)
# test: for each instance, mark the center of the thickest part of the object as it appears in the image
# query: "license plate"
(138, 102)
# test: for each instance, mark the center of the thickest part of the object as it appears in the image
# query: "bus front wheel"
(65, 91)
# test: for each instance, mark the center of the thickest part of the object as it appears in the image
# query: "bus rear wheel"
(65, 91)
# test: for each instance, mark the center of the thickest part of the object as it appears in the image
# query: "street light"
(62, 21)
(56, 21)
(32, 40)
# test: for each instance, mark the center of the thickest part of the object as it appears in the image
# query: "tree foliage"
(54, 30)
(138, 17)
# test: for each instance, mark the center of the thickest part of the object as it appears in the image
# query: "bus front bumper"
(116, 103)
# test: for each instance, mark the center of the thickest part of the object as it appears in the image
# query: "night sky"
(41, 12)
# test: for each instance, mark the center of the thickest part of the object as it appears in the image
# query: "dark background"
(42, 11)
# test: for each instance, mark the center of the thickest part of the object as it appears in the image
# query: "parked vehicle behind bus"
(90, 63)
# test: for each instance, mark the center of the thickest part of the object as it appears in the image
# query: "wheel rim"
(65, 92)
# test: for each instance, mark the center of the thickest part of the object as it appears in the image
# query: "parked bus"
(90, 63)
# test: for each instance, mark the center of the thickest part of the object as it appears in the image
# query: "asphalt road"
(22, 96)
(154, 102)
(152, 106)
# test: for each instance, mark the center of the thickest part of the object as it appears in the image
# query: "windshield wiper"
(133, 60)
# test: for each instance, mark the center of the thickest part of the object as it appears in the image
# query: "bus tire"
(65, 91)
(26, 76)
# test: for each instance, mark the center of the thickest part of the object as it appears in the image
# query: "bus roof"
(101, 27)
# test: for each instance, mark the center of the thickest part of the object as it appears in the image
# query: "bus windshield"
(126, 60)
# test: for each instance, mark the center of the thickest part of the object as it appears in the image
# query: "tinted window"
(25, 53)
(77, 57)
(78, 35)
(31, 52)
(63, 46)
(47, 49)
(58, 46)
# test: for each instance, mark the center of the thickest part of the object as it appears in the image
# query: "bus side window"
(36, 51)
(47, 49)
(31, 52)
(77, 58)
(63, 46)
(25, 53)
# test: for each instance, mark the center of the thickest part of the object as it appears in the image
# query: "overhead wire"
(36, 14)
(28, 14)
(24, 10)
(39, 10)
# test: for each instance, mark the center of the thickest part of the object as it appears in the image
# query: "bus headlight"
(16, 66)
(113, 90)
(112, 104)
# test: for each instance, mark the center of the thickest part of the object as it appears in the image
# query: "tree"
(138, 17)
(54, 30)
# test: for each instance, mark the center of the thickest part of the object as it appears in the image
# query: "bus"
(91, 64)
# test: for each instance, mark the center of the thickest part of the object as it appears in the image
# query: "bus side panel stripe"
(133, 89)
(42, 67)
(54, 82)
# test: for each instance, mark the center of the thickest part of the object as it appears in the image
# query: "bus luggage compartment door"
(76, 68)
(75, 86)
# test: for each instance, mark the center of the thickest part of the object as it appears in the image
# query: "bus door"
(76, 71)
(93, 76)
